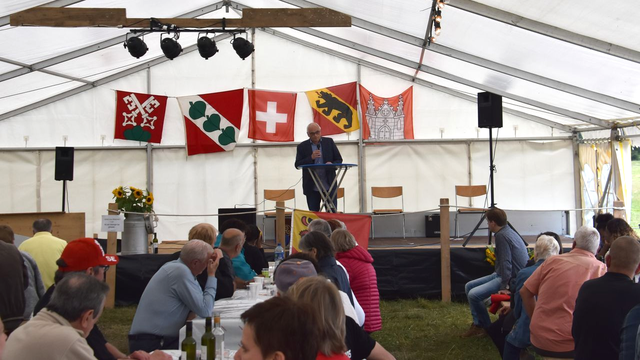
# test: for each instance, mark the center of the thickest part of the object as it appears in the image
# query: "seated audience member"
(207, 233)
(281, 329)
(362, 276)
(85, 256)
(13, 282)
(171, 294)
(45, 249)
(59, 331)
(629, 336)
(615, 229)
(253, 252)
(600, 223)
(517, 341)
(35, 288)
(341, 333)
(242, 270)
(336, 224)
(231, 247)
(301, 265)
(500, 328)
(319, 245)
(602, 304)
(511, 257)
(320, 225)
(556, 284)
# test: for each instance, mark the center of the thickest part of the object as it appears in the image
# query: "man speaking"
(317, 150)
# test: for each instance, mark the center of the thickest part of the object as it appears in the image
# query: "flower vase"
(134, 237)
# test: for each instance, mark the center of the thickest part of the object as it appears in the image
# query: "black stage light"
(170, 47)
(242, 47)
(207, 47)
(136, 47)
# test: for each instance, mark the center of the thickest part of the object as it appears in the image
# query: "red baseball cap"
(85, 253)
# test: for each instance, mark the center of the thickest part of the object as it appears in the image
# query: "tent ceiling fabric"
(570, 64)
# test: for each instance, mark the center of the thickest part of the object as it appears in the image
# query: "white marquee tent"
(567, 72)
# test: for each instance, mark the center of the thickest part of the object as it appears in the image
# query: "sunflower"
(118, 192)
(149, 199)
(137, 193)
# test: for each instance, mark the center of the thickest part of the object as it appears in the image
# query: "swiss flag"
(271, 115)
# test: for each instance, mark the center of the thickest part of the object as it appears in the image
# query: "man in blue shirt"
(171, 294)
(511, 257)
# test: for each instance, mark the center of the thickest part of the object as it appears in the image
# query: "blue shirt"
(242, 268)
(322, 173)
(520, 334)
(166, 301)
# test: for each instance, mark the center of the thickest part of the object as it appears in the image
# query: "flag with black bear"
(334, 108)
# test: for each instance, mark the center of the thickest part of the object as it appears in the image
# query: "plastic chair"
(470, 192)
(277, 195)
(387, 192)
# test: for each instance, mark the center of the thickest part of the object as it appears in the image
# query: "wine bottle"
(208, 342)
(154, 244)
(218, 332)
(188, 346)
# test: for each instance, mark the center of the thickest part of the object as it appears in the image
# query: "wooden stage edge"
(434, 243)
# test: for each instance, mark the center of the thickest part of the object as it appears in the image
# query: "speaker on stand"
(64, 169)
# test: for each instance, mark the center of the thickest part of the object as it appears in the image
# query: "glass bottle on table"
(208, 342)
(154, 244)
(218, 333)
(188, 346)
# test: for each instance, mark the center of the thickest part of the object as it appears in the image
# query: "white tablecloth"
(230, 310)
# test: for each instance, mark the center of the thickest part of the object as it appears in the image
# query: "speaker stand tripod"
(64, 193)
(492, 169)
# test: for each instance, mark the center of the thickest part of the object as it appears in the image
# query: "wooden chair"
(340, 195)
(470, 192)
(387, 192)
(277, 195)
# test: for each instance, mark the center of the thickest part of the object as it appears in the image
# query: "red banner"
(271, 115)
(358, 225)
(387, 118)
(139, 117)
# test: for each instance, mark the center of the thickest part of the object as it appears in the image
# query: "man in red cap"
(86, 256)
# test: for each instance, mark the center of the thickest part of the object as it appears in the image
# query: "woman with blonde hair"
(362, 276)
(338, 333)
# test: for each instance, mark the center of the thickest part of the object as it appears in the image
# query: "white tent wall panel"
(530, 175)
(96, 174)
(199, 185)
(426, 172)
(18, 181)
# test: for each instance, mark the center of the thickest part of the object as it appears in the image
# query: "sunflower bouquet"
(131, 199)
(490, 252)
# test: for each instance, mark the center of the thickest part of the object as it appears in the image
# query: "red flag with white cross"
(271, 115)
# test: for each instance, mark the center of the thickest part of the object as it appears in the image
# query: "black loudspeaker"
(247, 215)
(489, 110)
(64, 163)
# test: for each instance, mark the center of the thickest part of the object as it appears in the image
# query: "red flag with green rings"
(212, 121)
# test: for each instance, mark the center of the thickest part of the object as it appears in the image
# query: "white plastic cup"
(258, 280)
(254, 289)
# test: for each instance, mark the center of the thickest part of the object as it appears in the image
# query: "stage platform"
(406, 268)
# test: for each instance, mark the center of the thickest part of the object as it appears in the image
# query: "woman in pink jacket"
(362, 276)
